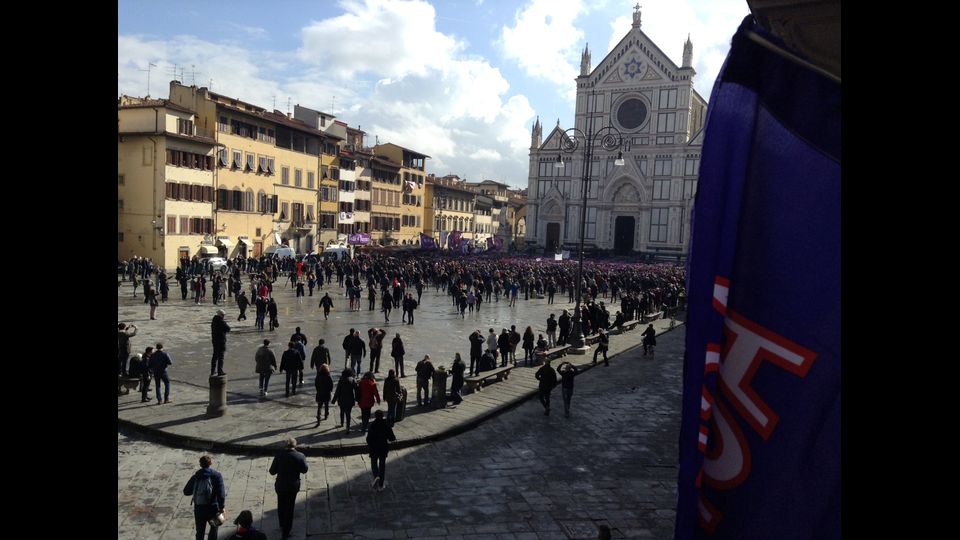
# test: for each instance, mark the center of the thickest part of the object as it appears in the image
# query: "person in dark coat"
(324, 385)
(245, 528)
(266, 363)
(476, 350)
(392, 395)
(204, 510)
(346, 396)
(649, 339)
(287, 466)
(321, 355)
(242, 303)
(378, 440)
(124, 333)
(564, 324)
(326, 303)
(457, 384)
(548, 379)
(488, 362)
(567, 372)
(397, 353)
(424, 375)
(290, 363)
(503, 342)
(387, 305)
(528, 346)
(218, 331)
(272, 311)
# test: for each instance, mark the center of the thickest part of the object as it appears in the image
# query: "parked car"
(216, 263)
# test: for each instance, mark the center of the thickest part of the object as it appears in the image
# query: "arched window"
(261, 201)
(248, 201)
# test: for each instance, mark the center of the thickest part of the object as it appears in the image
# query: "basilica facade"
(638, 108)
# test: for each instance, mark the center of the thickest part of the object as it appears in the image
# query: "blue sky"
(461, 81)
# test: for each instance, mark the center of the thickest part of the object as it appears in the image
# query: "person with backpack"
(287, 466)
(208, 496)
(409, 305)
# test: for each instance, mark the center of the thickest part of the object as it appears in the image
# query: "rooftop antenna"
(210, 85)
(193, 74)
(288, 105)
(274, 102)
(333, 103)
(173, 70)
(149, 65)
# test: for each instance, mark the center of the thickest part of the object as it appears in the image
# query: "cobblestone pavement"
(520, 475)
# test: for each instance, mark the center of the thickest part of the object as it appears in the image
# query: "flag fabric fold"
(760, 428)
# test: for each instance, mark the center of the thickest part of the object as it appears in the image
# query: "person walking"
(208, 495)
(567, 372)
(386, 304)
(290, 363)
(346, 396)
(300, 293)
(457, 369)
(159, 361)
(242, 303)
(392, 395)
(266, 364)
(358, 351)
(151, 295)
(424, 371)
(287, 466)
(272, 311)
(649, 340)
(548, 379)
(301, 341)
(368, 394)
(324, 385)
(603, 343)
(378, 440)
(218, 331)
(397, 352)
(320, 356)
(261, 304)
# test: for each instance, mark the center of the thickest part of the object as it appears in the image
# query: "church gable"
(636, 58)
(555, 139)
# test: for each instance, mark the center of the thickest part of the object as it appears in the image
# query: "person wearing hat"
(245, 528)
(287, 467)
(218, 330)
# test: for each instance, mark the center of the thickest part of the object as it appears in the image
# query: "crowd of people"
(392, 282)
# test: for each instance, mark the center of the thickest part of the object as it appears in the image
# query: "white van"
(337, 253)
(281, 252)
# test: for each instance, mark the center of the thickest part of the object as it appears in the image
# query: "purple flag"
(426, 242)
(359, 239)
(454, 239)
(760, 432)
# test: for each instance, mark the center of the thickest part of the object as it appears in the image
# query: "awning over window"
(245, 241)
(225, 242)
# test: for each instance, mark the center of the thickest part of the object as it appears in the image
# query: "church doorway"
(623, 235)
(553, 237)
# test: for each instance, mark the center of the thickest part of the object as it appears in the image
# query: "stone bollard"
(218, 396)
(439, 398)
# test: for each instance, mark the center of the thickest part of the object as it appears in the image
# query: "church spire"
(536, 134)
(585, 61)
(688, 53)
(636, 15)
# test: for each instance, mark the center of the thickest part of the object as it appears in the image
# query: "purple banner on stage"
(760, 428)
(426, 242)
(359, 239)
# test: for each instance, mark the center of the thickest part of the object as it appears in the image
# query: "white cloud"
(418, 88)
(388, 37)
(252, 31)
(483, 153)
(545, 42)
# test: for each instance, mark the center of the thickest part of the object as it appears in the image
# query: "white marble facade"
(645, 204)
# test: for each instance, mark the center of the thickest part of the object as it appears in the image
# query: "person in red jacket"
(368, 393)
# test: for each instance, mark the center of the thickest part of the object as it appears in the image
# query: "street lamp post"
(609, 138)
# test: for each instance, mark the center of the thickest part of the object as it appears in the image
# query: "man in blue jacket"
(209, 496)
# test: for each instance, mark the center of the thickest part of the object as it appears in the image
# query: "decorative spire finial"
(636, 15)
(585, 61)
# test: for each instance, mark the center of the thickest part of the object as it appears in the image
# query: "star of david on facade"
(631, 68)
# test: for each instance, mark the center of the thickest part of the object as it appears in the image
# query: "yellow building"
(450, 207)
(385, 193)
(165, 193)
(268, 171)
(411, 174)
